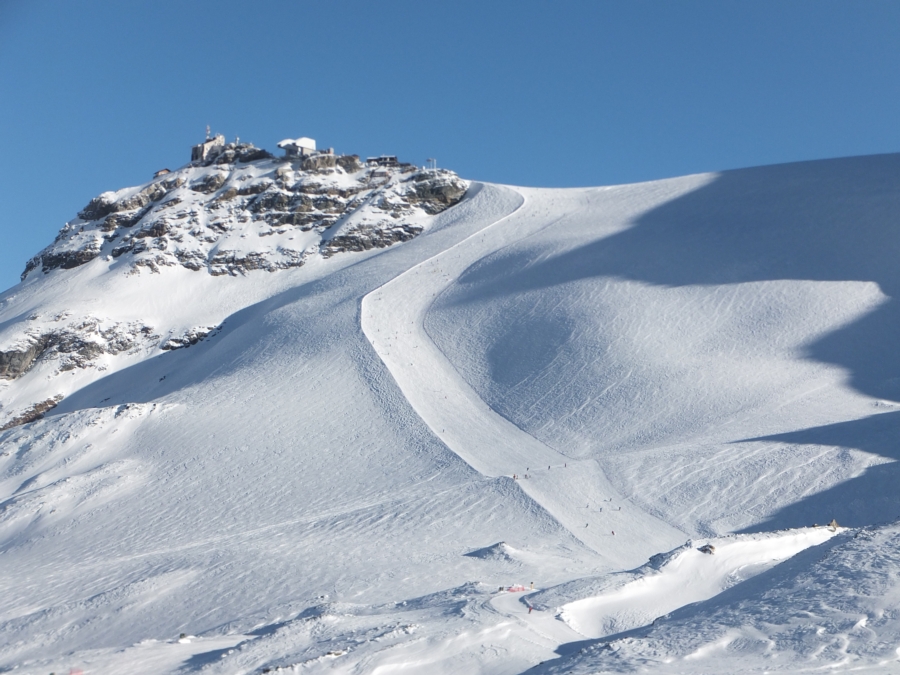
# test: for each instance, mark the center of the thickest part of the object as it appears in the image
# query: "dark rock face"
(156, 228)
(349, 163)
(210, 183)
(97, 208)
(273, 200)
(61, 259)
(245, 153)
(117, 220)
(105, 204)
(16, 362)
(436, 192)
(235, 152)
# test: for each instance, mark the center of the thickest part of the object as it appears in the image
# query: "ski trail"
(393, 320)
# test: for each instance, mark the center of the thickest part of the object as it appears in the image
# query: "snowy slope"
(590, 376)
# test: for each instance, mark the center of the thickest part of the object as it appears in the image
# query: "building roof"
(302, 142)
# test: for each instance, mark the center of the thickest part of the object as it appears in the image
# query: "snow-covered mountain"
(234, 210)
(407, 396)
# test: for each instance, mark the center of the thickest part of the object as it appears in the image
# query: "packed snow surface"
(355, 464)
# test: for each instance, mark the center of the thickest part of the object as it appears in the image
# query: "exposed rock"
(155, 228)
(436, 191)
(190, 337)
(33, 413)
(319, 162)
(116, 220)
(209, 184)
(349, 163)
(65, 259)
(363, 239)
(192, 260)
(245, 153)
(229, 194)
(76, 345)
(153, 263)
(272, 200)
(16, 362)
(291, 204)
(98, 207)
(233, 263)
(255, 188)
(107, 203)
(151, 193)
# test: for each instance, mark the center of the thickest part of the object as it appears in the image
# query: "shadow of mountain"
(871, 498)
(829, 220)
(824, 220)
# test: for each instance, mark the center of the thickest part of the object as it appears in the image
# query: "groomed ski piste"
(571, 391)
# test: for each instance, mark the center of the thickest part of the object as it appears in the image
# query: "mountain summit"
(232, 210)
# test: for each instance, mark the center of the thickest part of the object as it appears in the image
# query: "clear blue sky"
(98, 94)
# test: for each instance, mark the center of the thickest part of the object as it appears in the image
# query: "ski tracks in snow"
(393, 320)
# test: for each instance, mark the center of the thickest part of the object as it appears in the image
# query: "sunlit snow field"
(549, 387)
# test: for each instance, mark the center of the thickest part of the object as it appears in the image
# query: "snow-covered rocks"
(71, 343)
(242, 210)
(188, 338)
(235, 211)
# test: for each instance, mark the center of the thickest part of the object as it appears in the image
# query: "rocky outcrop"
(63, 259)
(436, 190)
(364, 239)
(233, 263)
(35, 412)
(190, 337)
(319, 162)
(16, 362)
(243, 152)
(349, 163)
(209, 183)
(107, 203)
(75, 345)
(239, 210)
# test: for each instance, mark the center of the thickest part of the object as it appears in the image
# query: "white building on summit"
(298, 147)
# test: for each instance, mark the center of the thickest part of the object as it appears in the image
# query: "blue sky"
(98, 94)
